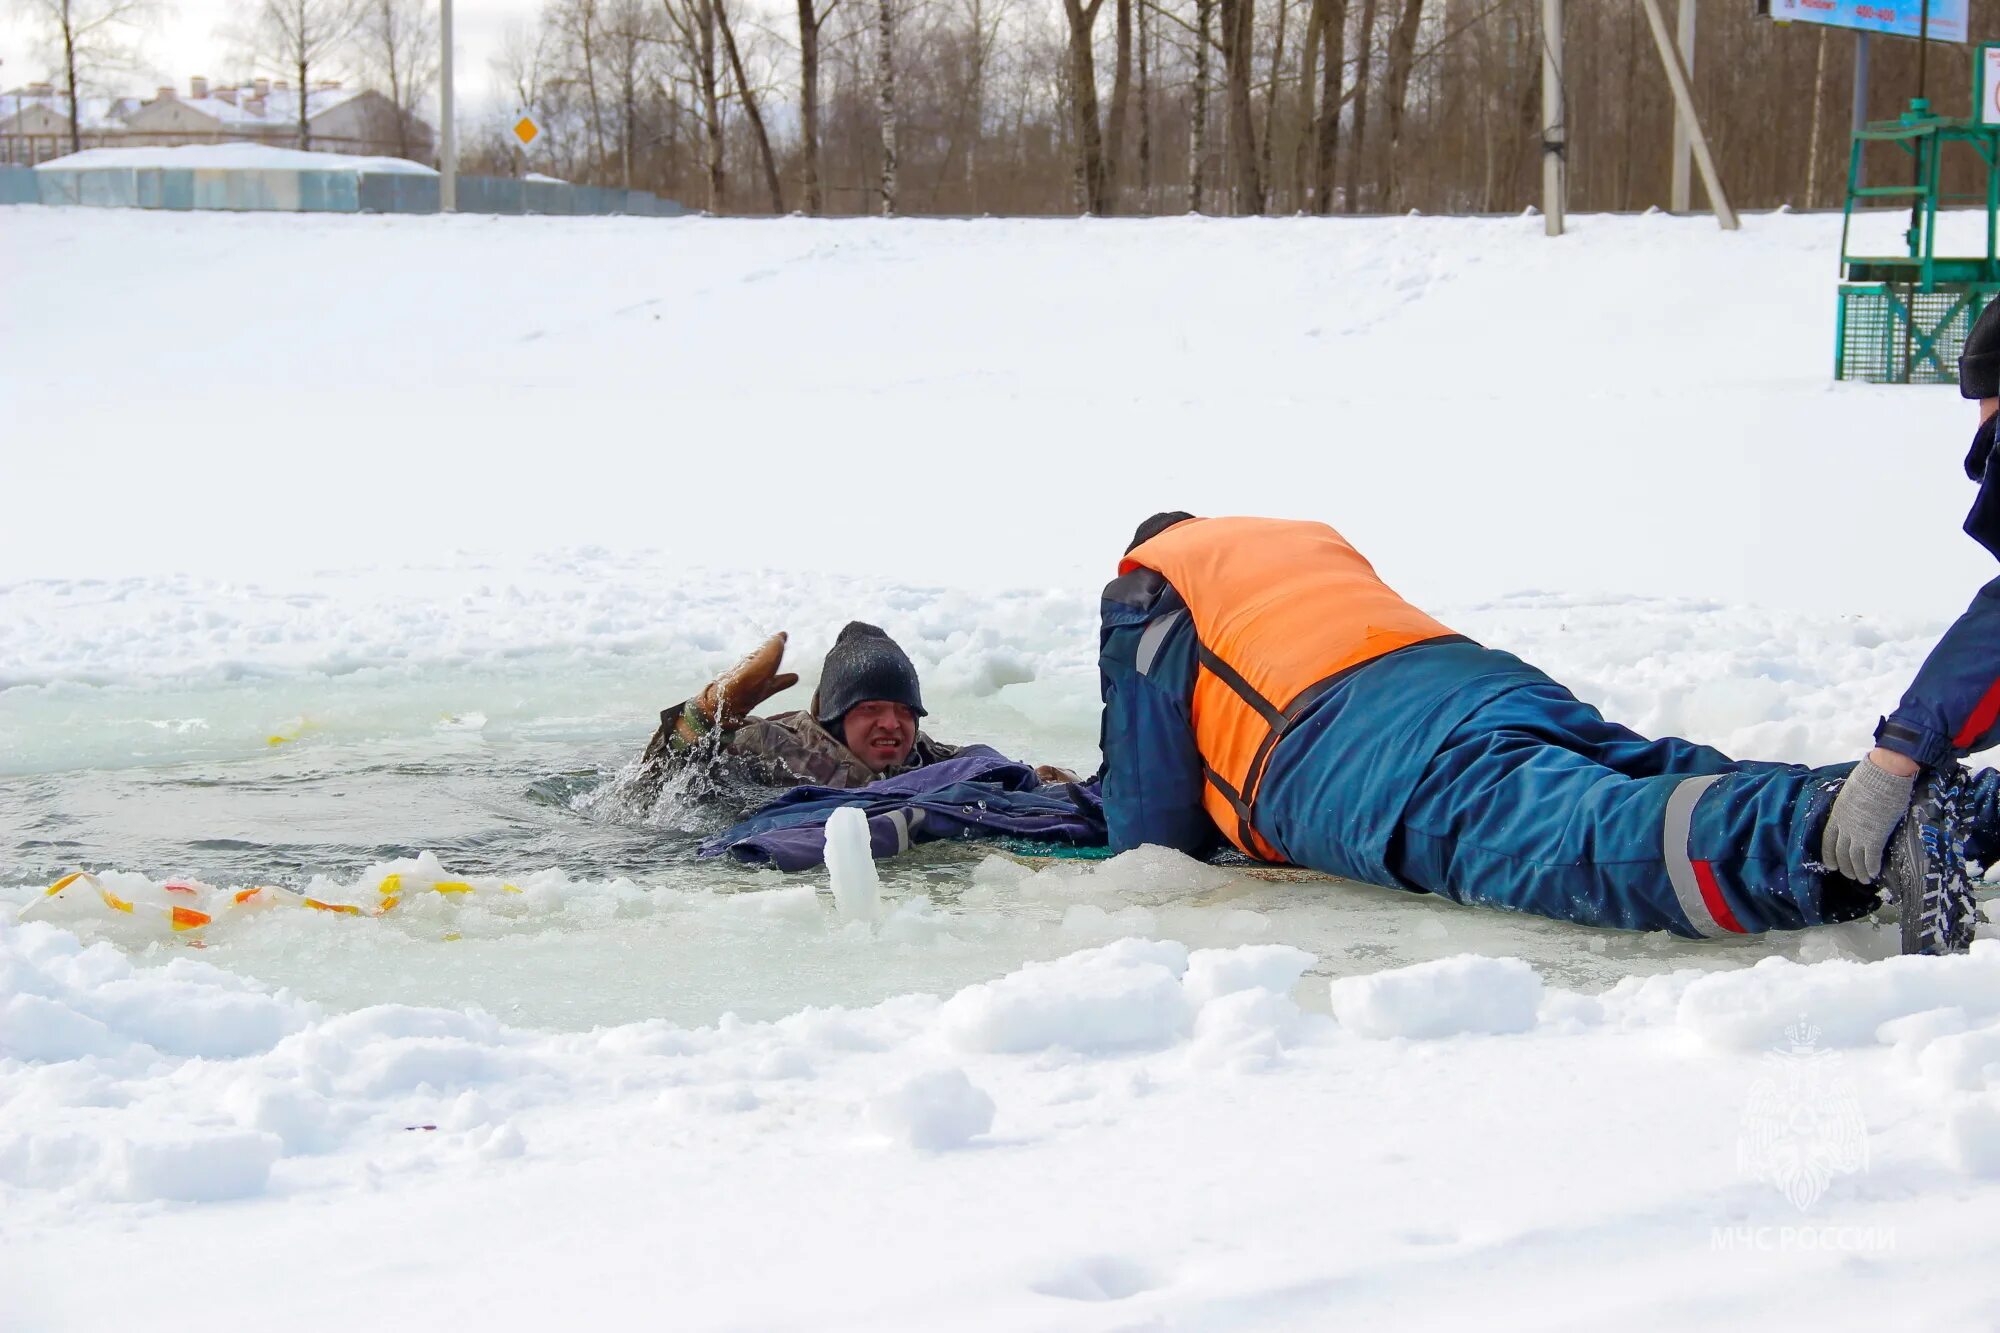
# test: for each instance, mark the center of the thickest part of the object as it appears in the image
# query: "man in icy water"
(1262, 685)
(861, 724)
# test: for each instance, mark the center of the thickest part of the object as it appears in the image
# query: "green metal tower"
(1903, 318)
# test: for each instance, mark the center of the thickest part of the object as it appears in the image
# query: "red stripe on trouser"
(1711, 894)
(1982, 717)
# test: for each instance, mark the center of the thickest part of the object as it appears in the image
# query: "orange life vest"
(1280, 608)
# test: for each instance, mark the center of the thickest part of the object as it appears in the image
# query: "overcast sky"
(192, 37)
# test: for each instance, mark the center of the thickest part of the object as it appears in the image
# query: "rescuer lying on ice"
(1261, 682)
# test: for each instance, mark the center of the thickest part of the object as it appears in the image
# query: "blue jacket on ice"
(1952, 708)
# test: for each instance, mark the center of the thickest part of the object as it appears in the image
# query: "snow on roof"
(237, 156)
(95, 113)
(280, 106)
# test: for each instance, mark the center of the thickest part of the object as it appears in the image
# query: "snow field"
(457, 494)
(134, 1090)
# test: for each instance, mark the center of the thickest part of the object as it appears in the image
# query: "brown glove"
(729, 699)
(1050, 773)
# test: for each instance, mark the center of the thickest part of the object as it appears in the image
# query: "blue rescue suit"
(1451, 768)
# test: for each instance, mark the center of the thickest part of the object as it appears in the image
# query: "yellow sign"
(526, 130)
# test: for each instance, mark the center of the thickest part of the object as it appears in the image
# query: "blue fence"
(263, 190)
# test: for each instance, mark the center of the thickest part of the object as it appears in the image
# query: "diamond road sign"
(526, 130)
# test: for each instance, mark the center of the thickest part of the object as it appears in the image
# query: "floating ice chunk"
(194, 1167)
(857, 889)
(1271, 967)
(936, 1111)
(1124, 996)
(1246, 1029)
(1446, 998)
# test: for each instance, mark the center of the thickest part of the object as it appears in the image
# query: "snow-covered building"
(34, 124)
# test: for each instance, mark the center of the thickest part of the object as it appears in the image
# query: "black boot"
(1925, 872)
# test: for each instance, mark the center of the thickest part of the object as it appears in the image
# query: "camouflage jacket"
(784, 750)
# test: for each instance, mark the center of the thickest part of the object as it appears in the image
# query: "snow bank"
(1124, 996)
(1133, 1100)
(227, 157)
(1447, 998)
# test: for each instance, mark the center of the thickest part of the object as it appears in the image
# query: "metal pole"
(1860, 100)
(1554, 174)
(1683, 159)
(447, 128)
(1923, 46)
(1711, 179)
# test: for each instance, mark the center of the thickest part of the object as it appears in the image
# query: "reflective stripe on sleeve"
(1150, 640)
(1695, 886)
(906, 822)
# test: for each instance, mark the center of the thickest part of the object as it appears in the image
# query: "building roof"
(96, 113)
(280, 106)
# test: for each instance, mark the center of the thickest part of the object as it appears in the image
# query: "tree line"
(1110, 106)
(1166, 106)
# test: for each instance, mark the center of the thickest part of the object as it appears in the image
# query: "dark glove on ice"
(1982, 446)
(1863, 816)
(1979, 364)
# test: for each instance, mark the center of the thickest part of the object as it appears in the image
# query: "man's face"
(1987, 407)
(879, 733)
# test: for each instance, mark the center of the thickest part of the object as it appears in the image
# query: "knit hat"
(864, 664)
(1979, 367)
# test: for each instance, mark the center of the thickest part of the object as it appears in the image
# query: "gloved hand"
(1862, 818)
(729, 699)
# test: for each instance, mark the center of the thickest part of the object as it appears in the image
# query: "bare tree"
(629, 38)
(1198, 112)
(1271, 99)
(1402, 56)
(748, 96)
(1121, 99)
(693, 22)
(299, 37)
(885, 99)
(1082, 73)
(89, 40)
(1326, 134)
(396, 45)
(577, 25)
(812, 17)
(1238, 27)
(1145, 108)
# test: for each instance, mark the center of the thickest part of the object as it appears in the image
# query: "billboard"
(1989, 84)
(1898, 18)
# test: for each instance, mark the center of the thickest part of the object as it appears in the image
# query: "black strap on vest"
(1281, 721)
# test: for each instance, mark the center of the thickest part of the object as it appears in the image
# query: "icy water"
(583, 908)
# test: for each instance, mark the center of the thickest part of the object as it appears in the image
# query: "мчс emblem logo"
(1802, 1125)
